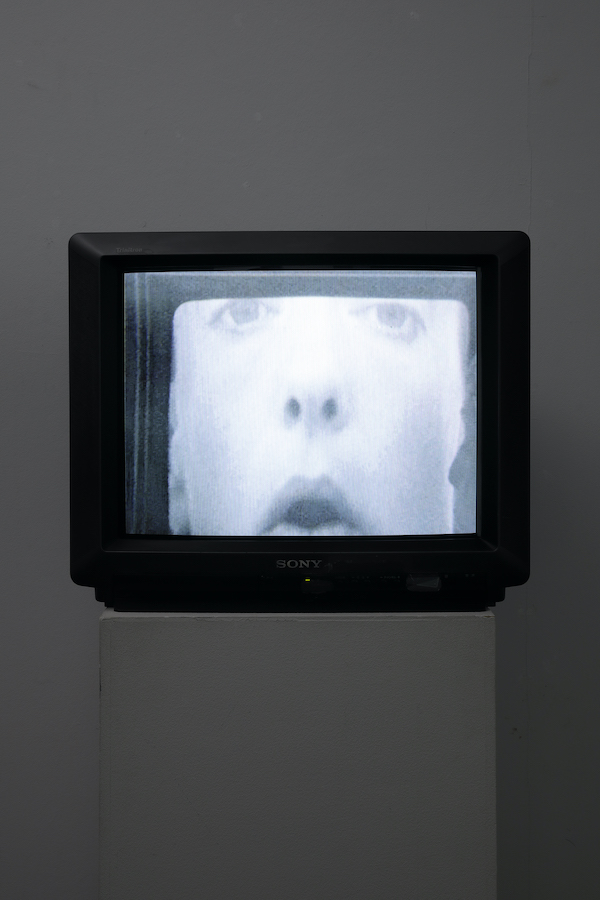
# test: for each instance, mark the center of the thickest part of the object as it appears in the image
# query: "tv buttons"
(423, 582)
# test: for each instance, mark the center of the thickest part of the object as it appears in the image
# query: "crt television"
(289, 421)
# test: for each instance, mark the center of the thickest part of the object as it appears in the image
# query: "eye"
(395, 320)
(241, 315)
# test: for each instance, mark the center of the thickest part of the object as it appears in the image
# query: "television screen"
(248, 405)
(301, 404)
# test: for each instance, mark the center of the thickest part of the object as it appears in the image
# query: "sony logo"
(298, 563)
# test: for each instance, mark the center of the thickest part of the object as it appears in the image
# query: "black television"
(299, 421)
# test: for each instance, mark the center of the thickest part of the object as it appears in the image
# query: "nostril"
(329, 409)
(292, 408)
(315, 413)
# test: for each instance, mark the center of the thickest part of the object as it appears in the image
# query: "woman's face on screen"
(300, 416)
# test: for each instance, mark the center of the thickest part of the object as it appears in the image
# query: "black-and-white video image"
(300, 404)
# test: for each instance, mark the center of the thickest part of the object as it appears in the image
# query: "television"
(299, 421)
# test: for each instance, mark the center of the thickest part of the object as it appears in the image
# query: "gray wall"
(338, 114)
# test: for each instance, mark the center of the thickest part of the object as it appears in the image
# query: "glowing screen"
(300, 403)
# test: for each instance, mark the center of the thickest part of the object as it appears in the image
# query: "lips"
(311, 507)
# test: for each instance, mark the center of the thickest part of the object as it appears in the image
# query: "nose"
(318, 412)
(317, 389)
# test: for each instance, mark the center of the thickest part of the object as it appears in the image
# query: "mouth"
(311, 507)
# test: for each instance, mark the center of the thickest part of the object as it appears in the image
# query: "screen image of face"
(317, 412)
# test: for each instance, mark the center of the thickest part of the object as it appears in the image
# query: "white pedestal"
(297, 757)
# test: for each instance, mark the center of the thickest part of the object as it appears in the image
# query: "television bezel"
(169, 571)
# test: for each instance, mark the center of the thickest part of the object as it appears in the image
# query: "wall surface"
(176, 115)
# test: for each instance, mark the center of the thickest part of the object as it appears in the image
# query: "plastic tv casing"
(165, 572)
